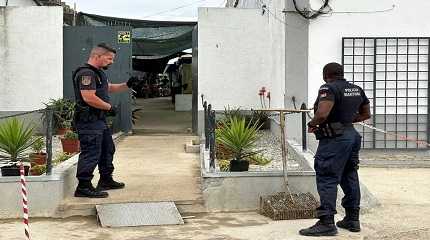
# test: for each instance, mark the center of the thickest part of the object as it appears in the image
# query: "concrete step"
(66, 209)
(144, 131)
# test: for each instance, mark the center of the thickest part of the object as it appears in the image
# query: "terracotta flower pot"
(37, 159)
(62, 131)
(70, 146)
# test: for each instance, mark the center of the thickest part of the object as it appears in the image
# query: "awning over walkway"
(158, 39)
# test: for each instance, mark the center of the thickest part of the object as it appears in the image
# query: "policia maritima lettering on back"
(338, 106)
(92, 90)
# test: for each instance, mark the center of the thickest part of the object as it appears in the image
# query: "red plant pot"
(37, 158)
(70, 146)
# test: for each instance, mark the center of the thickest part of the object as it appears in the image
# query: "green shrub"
(15, 139)
(38, 144)
(38, 169)
(224, 165)
(233, 113)
(238, 137)
(70, 135)
(63, 110)
(61, 158)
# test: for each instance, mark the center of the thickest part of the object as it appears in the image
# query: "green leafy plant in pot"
(63, 111)
(240, 139)
(70, 142)
(37, 170)
(38, 156)
(15, 139)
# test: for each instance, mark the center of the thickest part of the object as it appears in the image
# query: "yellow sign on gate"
(124, 36)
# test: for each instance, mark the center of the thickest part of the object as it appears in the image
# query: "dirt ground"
(404, 214)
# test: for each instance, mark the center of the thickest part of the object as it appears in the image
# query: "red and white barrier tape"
(24, 201)
(401, 137)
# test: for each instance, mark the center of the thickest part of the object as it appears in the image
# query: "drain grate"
(138, 214)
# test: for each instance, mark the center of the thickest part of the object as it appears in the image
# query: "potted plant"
(70, 142)
(38, 157)
(15, 140)
(239, 138)
(63, 111)
(37, 170)
(61, 158)
(63, 127)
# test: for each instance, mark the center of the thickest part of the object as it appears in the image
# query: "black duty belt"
(88, 114)
(331, 130)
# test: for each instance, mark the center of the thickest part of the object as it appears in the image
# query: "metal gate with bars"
(394, 73)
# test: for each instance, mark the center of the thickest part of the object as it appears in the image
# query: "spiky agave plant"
(237, 136)
(15, 139)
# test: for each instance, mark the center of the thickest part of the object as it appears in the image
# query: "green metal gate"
(78, 42)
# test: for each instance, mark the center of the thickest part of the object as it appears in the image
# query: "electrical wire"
(374, 11)
(312, 14)
(174, 9)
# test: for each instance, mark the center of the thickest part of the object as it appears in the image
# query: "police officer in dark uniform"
(338, 106)
(92, 106)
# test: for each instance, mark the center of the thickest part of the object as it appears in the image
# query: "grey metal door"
(78, 42)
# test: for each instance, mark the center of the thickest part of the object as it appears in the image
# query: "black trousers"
(97, 149)
(336, 163)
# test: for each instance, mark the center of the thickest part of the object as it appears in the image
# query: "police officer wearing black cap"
(338, 106)
(92, 90)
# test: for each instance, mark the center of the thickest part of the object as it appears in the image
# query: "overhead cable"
(174, 9)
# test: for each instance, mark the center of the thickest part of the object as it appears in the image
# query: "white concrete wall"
(12, 3)
(296, 75)
(31, 57)
(408, 19)
(240, 50)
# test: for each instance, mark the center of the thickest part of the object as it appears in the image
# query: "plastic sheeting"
(158, 39)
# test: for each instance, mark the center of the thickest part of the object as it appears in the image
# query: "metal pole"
(304, 140)
(49, 116)
(212, 139)
(207, 123)
(284, 154)
(283, 145)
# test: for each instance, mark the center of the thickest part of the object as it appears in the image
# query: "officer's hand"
(132, 82)
(311, 128)
(112, 111)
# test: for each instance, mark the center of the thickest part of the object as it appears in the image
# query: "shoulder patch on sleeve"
(86, 80)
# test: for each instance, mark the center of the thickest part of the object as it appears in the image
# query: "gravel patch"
(271, 146)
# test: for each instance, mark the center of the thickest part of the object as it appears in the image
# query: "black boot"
(351, 221)
(324, 227)
(107, 183)
(86, 189)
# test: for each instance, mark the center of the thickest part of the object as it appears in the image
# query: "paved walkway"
(404, 214)
(159, 116)
(153, 163)
(154, 168)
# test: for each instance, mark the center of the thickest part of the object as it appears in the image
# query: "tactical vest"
(83, 111)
